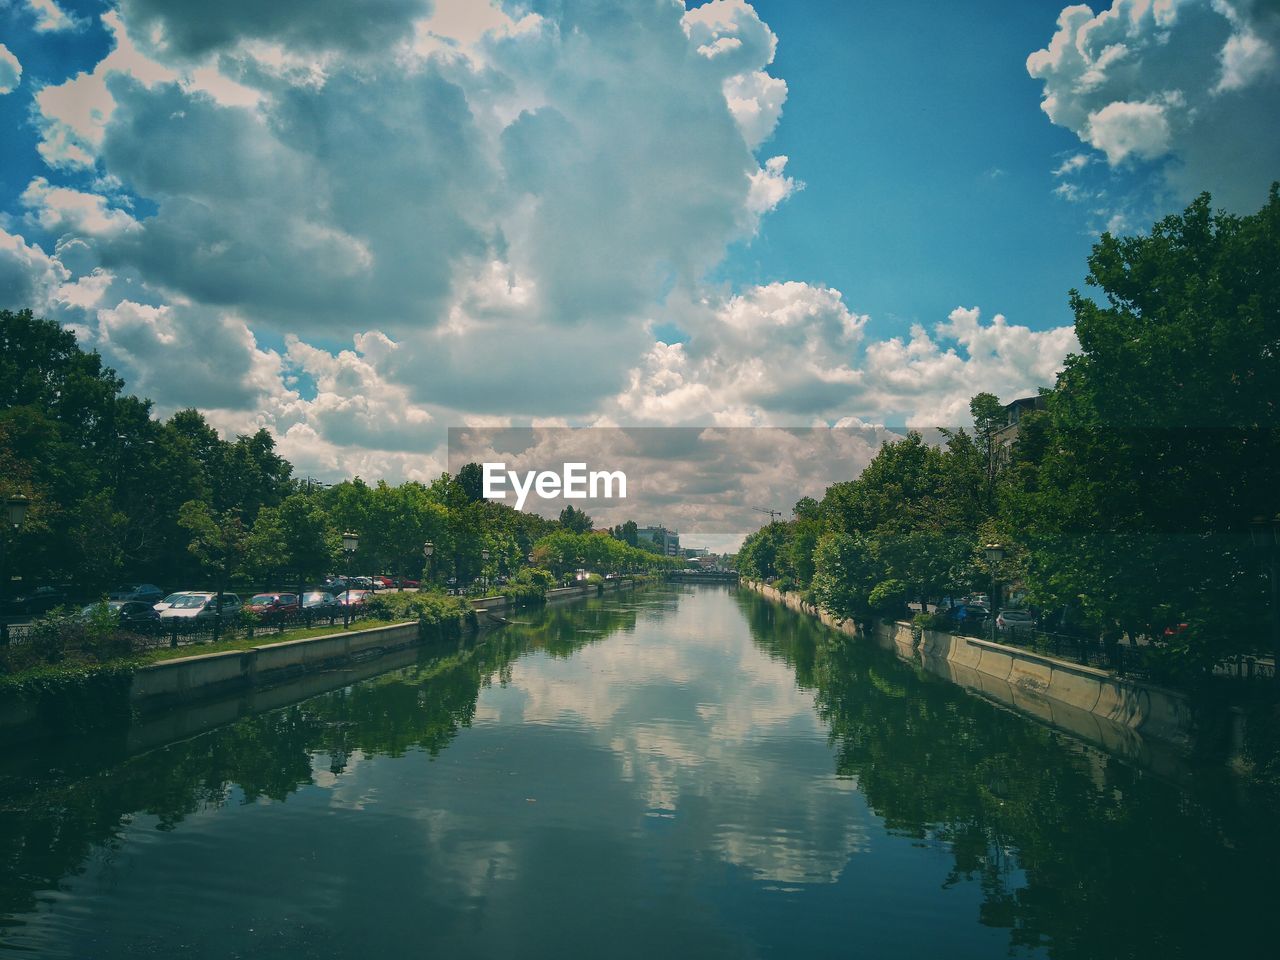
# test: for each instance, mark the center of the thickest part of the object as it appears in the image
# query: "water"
(667, 774)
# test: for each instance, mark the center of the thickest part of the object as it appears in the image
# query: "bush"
(429, 607)
(888, 598)
(931, 621)
(529, 586)
(65, 637)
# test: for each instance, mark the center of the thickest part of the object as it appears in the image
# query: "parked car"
(146, 592)
(38, 601)
(1015, 621)
(201, 606)
(274, 606)
(168, 601)
(354, 598)
(128, 613)
(408, 583)
(970, 615)
(383, 583)
(318, 603)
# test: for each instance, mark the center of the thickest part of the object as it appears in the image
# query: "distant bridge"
(703, 576)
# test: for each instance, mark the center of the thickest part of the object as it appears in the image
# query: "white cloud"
(755, 99)
(10, 70)
(793, 354)
(1123, 129)
(492, 210)
(62, 210)
(1071, 164)
(770, 186)
(50, 17)
(74, 114)
(28, 276)
(1188, 84)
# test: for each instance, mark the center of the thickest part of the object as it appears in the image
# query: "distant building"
(1015, 411)
(667, 541)
(692, 553)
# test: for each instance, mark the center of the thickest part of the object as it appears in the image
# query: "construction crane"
(773, 514)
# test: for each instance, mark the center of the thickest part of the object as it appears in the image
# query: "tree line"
(118, 494)
(1125, 503)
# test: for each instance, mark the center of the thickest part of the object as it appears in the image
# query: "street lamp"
(350, 543)
(995, 553)
(1266, 536)
(15, 511)
(428, 549)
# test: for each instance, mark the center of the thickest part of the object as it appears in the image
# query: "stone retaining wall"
(1118, 714)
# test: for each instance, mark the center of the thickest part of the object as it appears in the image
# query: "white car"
(169, 601)
(201, 606)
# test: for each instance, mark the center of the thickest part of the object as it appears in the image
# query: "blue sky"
(927, 163)
(360, 230)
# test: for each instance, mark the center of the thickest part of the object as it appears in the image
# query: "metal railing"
(174, 632)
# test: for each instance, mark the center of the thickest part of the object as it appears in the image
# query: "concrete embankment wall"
(204, 676)
(1120, 715)
(210, 674)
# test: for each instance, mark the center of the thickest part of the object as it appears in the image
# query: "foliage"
(529, 586)
(431, 607)
(1124, 502)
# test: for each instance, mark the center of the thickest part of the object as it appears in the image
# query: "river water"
(686, 772)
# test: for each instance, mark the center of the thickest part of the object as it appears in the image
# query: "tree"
(1160, 442)
(471, 480)
(845, 573)
(574, 520)
(219, 540)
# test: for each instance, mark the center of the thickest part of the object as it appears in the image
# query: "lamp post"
(15, 511)
(484, 567)
(1266, 537)
(428, 549)
(995, 553)
(350, 543)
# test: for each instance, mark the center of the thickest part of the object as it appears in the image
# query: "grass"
(264, 638)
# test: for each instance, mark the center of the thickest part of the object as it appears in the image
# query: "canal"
(679, 772)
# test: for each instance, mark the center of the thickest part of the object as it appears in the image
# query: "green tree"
(1134, 494)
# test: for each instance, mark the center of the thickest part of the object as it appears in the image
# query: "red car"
(353, 598)
(384, 583)
(275, 606)
(408, 584)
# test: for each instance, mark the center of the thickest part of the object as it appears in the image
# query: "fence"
(50, 641)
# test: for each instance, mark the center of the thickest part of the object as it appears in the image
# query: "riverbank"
(152, 688)
(1153, 725)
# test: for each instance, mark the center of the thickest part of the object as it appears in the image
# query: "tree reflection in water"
(1075, 850)
(57, 805)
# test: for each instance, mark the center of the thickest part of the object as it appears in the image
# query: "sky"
(360, 224)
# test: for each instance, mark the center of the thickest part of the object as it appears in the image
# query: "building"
(667, 541)
(692, 553)
(1015, 411)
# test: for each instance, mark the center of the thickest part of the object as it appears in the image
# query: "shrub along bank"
(76, 673)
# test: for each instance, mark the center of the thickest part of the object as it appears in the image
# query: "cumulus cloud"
(795, 354)
(62, 210)
(1188, 85)
(189, 355)
(192, 30)
(10, 70)
(453, 212)
(50, 17)
(28, 275)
